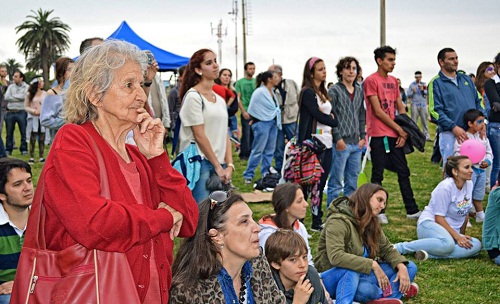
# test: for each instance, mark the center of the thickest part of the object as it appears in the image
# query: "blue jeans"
(348, 285)
(288, 132)
(345, 165)
(479, 182)
(5, 299)
(11, 118)
(494, 137)
(264, 143)
(438, 243)
(200, 191)
(446, 145)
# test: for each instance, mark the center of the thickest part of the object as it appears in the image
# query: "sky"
(285, 32)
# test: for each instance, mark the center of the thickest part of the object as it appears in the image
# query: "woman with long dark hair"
(265, 121)
(51, 115)
(222, 262)
(352, 247)
(33, 106)
(290, 207)
(228, 93)
(492, 90)
(316, 120)
(204, 120)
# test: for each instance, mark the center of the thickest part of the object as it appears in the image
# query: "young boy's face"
(292, 268)
(478, 125)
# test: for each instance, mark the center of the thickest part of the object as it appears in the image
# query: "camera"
(150, 55)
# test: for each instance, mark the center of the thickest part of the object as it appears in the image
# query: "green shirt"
(245, 88)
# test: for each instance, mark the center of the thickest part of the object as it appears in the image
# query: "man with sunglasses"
(417, 93)
(451, 94)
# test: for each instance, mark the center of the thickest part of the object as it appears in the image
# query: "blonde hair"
(93, 74)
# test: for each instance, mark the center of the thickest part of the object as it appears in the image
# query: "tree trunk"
(45, 68)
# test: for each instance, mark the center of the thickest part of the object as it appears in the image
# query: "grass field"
(474, 280)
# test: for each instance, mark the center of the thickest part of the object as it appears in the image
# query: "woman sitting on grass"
(491, 225)
(290, 207)
(441, 227)
(352, 247)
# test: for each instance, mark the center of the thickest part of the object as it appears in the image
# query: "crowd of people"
(107, 124)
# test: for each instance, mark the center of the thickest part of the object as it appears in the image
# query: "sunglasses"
(216, 197)
(490, 69)
(479, 121)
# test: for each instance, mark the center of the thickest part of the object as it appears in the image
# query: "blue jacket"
(449, 102)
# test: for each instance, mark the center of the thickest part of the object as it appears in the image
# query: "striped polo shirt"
(11, 242)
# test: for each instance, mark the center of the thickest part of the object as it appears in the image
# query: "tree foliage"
(43, 41)
(12, 65)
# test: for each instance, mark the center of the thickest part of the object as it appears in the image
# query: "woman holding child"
(222, 262)
(441, 227)
(352, 246)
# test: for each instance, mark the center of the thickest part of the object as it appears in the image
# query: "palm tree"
(44, 39)
(12, 65)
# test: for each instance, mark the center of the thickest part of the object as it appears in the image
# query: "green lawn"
(445, 281)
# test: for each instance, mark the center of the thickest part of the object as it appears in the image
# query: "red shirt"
(387, 91)
(223, 91)
(76, 212)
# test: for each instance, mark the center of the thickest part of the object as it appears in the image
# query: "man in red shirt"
(387, 137)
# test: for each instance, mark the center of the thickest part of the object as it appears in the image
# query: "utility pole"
(219, 35)
(244, 22)
(382, 23)
(234, 12)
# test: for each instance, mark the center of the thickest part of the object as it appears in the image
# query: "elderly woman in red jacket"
(149, 203)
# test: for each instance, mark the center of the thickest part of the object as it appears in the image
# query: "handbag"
(74, 274)
(302, 165)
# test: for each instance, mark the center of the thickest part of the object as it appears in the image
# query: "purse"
(74, 274)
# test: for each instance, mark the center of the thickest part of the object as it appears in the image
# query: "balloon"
(474, 149)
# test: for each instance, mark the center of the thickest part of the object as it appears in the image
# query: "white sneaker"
(382, 218)
(414, 216)
(421, 255)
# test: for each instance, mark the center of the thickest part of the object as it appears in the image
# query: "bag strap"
(177, 130)
(40, 211)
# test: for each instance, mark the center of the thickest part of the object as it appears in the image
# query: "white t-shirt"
(448, 201)
(324, 132)
(213, 115)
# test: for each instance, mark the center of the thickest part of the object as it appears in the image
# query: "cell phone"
(150, 56)
(387, 291)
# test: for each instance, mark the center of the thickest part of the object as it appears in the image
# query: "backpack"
(268, 182)
(302, 164)
(188, 161)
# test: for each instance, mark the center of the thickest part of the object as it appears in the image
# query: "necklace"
(243, 289)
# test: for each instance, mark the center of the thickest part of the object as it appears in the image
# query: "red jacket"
(77, 213)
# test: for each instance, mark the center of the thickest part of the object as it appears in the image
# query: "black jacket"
(415, 137)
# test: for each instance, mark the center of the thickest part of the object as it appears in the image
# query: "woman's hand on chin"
(149, 134)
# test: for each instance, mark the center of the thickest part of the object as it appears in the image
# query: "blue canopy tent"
(166, 61)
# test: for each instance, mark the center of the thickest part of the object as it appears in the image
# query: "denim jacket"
(226, 283)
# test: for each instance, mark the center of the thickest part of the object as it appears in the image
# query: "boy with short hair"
(475, 120)
(286, 252)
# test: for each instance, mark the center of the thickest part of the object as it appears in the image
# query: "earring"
(221, 246)
(200, 74)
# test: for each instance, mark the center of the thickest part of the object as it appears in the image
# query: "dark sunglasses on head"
(217, 197)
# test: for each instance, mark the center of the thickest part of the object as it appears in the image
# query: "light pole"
(382, 22)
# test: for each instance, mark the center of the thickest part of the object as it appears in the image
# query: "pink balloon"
(474, 149)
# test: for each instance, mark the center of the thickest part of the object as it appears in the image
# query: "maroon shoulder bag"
(75, 274)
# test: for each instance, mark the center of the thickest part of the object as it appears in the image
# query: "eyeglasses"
(490, 69)
(216, 197)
